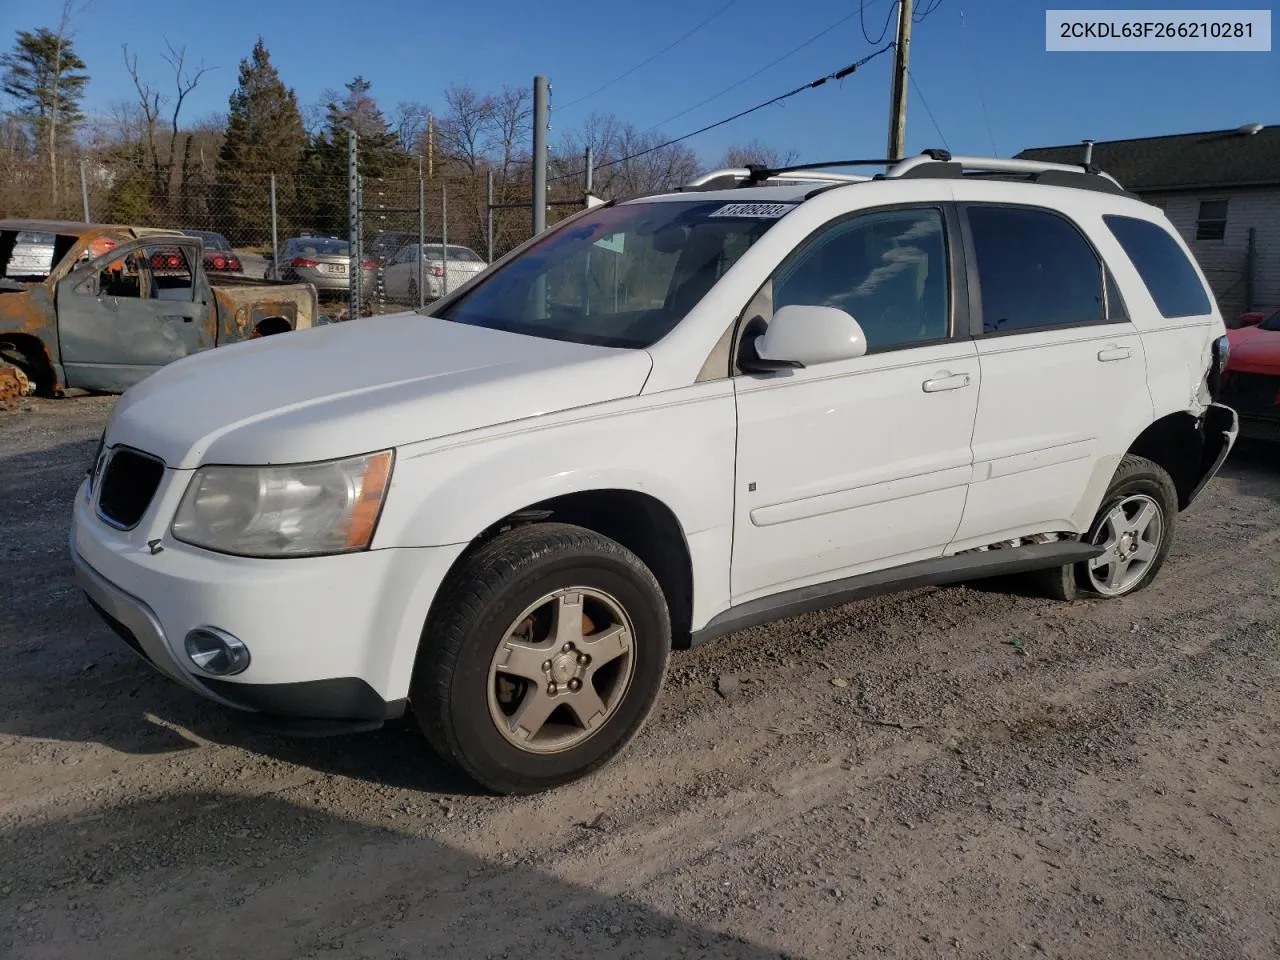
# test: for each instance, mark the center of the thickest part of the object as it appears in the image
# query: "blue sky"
(967, 52)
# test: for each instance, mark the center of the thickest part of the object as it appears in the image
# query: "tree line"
(145, 163)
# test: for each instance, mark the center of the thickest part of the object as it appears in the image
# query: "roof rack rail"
(935, 163)
(754, 175)
(929, 163)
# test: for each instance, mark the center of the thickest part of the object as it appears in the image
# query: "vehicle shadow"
(218, 874)
(64, 676)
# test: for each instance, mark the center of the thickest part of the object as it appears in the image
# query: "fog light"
(217, 652)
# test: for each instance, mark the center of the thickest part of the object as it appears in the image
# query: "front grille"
(128, 484)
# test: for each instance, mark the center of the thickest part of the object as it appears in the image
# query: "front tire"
(542, 659)
(1134, 524)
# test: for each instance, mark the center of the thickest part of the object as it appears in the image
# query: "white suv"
(660, 421)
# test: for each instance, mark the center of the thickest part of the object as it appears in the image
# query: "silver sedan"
(324, 262)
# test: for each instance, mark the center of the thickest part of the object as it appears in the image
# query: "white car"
(658, 422)
(442, 270)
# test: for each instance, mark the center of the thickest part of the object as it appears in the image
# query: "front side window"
(621, 276)
(1035, 270)
(1168, 275)
(887, 270)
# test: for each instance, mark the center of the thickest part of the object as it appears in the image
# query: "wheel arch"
(31, 352)
(639, 521)
(1178, 442)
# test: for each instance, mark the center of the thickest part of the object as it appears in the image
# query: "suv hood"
(369, 384)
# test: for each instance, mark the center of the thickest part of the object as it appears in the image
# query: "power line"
(622, 76)
(921, 15)
(751, 76)
(838, 75)
(978, 83)
(862, 9)
(920, 94)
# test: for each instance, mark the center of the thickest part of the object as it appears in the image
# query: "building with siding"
(1220, 188)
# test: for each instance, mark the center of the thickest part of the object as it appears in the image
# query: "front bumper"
(330, 637)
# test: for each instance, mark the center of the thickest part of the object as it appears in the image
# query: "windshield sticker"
(761, 211)
(614, 242)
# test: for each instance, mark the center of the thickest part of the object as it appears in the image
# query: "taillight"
(303, 262)
(219, 263)
(233, 263)
(437, 270)
(368, 265)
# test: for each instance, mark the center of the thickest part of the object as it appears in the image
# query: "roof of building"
(1184, 161)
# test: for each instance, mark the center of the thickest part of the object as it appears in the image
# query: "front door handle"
(946, 382)
(178, 316)
(1114, 353)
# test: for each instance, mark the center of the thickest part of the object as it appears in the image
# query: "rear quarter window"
(1166, 271)
(31, 255)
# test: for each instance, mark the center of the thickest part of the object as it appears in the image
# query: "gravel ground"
(894, 778)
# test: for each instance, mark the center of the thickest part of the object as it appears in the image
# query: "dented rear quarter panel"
(238, 307)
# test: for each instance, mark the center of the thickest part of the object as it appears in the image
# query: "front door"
(863, 464)
(131, 311)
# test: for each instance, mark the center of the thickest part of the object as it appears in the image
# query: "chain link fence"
(297, 225)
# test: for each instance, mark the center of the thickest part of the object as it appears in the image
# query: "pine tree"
(43, 74)
(379, 150)
(264, 136)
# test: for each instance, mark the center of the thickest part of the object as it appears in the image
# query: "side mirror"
(803, 336)
(1249, 319)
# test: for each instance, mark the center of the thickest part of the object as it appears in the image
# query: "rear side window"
(1035, 270)
(1168, 274)
(30, 255)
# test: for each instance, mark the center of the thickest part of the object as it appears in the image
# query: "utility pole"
(539, 154)
(898, 99)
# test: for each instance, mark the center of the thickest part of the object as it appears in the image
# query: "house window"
(1211, 224)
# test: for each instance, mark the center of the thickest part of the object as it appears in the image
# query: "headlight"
(307, 509)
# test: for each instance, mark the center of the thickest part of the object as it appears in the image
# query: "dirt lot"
(893, 778)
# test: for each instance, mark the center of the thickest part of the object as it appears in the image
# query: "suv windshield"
(621, 276)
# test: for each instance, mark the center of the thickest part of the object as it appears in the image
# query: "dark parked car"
(218, 256)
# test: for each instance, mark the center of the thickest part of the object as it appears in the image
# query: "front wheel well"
(643, 524)
(28, 352)
(1176, 443)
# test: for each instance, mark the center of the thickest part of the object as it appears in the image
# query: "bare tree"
(151, 101)
(410, 125)
(756, 153)
(463, 131)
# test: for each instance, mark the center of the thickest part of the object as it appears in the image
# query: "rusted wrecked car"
(99, 306)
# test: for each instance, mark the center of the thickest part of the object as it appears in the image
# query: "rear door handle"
(1114, 353)
(178, 316)
(949, 382)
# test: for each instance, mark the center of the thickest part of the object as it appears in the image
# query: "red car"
(1251, 383)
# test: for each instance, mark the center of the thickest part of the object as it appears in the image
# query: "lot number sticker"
(763, 211)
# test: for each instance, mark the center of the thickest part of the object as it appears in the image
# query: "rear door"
(1064, 389)
(131, 311)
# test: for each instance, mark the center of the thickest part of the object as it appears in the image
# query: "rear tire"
(1135, 522)
(542, 659)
